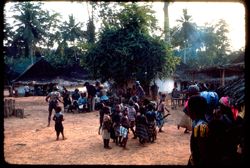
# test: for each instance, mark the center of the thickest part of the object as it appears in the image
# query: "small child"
(131, 116)
(58, 118)
(116, 120)
(123, 138)
(106, 126)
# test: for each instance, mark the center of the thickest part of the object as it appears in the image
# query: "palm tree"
(32, 24)
(90, 33)
(166, 22)
(188, 33)
(71, 32)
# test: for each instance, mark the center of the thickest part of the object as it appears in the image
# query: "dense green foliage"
(124, 47)
(126, 50)
(202, 46)
(32, 23)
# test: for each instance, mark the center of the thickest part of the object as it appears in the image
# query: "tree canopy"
(124, 47)
(32, 23)
(201, 46)
(127, 51)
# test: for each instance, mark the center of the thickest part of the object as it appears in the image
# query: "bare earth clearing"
(30, 141)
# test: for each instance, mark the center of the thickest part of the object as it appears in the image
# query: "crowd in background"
(216, 125)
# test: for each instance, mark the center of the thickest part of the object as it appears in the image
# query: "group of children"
(141, 117)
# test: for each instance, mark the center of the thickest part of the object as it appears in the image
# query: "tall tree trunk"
(166, 22)
(29, 52)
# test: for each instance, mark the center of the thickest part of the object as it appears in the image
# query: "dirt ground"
(30, 141)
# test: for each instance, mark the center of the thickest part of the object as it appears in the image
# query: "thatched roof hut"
(220, 74)
(9, 74)
(41, 72)
(235, 90)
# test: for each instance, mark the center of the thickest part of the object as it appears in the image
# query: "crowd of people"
(215, 124)
(217, 136)
(140, 117)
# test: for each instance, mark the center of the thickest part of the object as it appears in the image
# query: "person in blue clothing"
(75, 96)
(212, 99)
(82, 102)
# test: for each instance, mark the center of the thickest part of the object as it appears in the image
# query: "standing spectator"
(199, 148)
(175, 95)
(53, 98)
(151, 118)
(142, 127)
(101, 115)
(116, 120)
(186, 121)
(98, 87)
(91, 95)
(58, 118)
(212, 101)
(123, 137)
(154, 91)
(131, 116)
(224, 135)
(136, 105)
(106, 126)
(128, 95)
(161, 112)
(140, 93)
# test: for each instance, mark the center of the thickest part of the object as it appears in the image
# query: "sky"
(201, 12)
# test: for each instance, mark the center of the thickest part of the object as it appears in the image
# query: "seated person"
(66, 100)
(82, 102)
(75, 96)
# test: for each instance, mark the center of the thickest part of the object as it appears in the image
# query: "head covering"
(225, 101)
(137, 82)
(193, 89)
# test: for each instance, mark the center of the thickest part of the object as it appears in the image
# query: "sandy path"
(30, 141)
